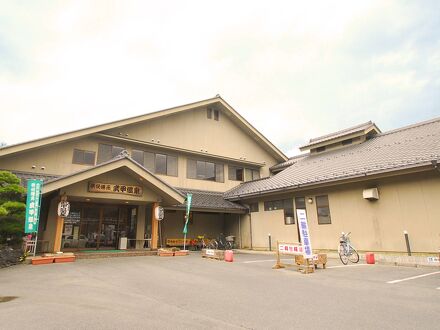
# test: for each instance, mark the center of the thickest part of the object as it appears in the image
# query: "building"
(113, 175)
(375, 185)
(361, 180)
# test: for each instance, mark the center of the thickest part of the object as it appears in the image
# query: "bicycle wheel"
(228, 245)
(353, 256)
(342, 255)
(212, 244)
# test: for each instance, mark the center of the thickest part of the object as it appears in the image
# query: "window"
(347, 142)
(251, 174)
(274, 205)
(156, 163)
(320, 149)
(289, 217)
(209, 113)
(235, 173)
(83, 157)
(323, 210)
(107, 152)
(216, 115)
(253, 207)
(203, 170)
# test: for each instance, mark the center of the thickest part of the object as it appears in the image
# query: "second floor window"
(107, 152)
(83, 157)
(156, 162)
(204, 170)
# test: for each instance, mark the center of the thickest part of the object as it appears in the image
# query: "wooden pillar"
(59, 230)
(154, 227)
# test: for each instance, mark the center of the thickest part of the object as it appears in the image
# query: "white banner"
(304, 232)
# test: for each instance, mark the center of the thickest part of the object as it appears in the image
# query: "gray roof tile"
(202, 199)
(411, 146)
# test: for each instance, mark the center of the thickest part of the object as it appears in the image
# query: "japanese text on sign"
(33, 203)
(115, 188)
(290, 248)
(304, 233)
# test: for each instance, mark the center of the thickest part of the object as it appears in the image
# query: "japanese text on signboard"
(304, 233)
(115, 188)
(290, 248)
(33, 202)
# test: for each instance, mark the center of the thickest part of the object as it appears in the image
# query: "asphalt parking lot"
(195, 293)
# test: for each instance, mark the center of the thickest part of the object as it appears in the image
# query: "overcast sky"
(293, 69)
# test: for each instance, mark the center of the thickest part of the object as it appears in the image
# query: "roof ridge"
(411, 126)
(341, 131)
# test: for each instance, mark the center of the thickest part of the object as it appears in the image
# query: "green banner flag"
(188, 208)
(33, 203)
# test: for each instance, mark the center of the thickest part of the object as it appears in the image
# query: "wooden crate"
(320, 260)
(165, 253)
(61, 259)
(213, 254)
(42, 260)
(181, 253)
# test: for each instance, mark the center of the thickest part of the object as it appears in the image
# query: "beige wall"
(190, 130)
(406, 203)
(57, 159)
(115, 177)
(193, 131)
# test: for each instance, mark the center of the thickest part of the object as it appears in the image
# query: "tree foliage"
(12, 208)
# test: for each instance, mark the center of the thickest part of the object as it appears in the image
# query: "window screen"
(323, 210)
(161, 164)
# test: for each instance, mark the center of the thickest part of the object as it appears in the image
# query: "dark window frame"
(254, 207)
(216, 115)
(83, 152)
(168, 169)
(289, 215)
(235, 169)
(197, 173)
(209, 113)
(325, 207)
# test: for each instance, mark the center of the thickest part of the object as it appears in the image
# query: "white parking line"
(273, 260)
(341, 266)
(412, 278)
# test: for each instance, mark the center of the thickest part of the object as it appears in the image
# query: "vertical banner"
(33, 203)
(188, 208)
(304, 232)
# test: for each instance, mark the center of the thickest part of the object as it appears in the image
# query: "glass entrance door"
(98, 226)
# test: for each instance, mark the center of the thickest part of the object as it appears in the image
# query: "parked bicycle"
(221, 243)
(346, 251)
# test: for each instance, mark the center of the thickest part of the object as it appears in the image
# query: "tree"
(12, 208)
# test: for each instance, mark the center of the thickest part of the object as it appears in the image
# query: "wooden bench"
(178, 241)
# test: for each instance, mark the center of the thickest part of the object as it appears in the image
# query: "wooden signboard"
(293, 249)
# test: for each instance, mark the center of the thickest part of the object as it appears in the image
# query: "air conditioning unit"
(371, 194)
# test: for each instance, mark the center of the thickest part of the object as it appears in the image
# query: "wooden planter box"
(42, 260)
(181, 253)
(64, 259)
(165, 253)
(213, 254)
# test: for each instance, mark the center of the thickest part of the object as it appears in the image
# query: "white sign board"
(290, 248)
(304, 233)
(210, 252)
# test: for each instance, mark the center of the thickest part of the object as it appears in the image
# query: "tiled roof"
(347, 131)
(202, 199)
(290, 161)
(25, 176)
(412, 146)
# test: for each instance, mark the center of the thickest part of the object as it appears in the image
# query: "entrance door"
(98, 226)
(109, 227)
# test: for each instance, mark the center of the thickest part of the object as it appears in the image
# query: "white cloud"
(309, 67)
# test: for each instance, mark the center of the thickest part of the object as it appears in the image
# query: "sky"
(294, 69)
